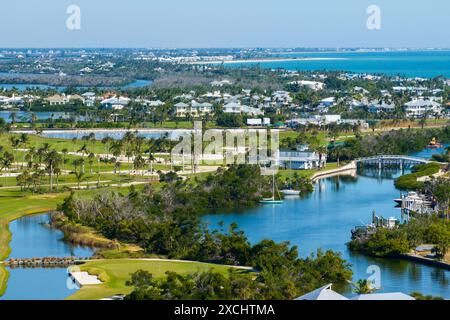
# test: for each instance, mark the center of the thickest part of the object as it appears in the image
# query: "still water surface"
(33, 238)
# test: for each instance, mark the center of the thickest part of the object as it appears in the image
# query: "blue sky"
(224, 23)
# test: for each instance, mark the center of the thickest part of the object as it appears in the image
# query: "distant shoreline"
(264, 60)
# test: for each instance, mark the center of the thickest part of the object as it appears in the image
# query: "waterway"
(25, 116)
(23, 87)
(324, 220)
(321, 220)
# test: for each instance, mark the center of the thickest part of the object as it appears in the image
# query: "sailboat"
(272, 199)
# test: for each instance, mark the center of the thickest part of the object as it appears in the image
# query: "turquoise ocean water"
(427, 64)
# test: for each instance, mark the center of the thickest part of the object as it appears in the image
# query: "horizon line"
(237, 47)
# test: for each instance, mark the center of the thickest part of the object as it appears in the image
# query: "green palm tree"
(13, 117)
(52, 160)
(321, 150)
(64, 151)
(362, 286)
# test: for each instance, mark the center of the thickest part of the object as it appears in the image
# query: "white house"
(155, 103)
(379, 107)
(254, 122)
(11, 101)
(115, 103)
(182, 109)
(195, 109)
(238, 108)
(419, 107)
(301, 159)
(312, 85)
(57, 99)
(281, 98)
(328, 102)
(89, 98)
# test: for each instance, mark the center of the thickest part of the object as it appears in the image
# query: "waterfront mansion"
(301, 159)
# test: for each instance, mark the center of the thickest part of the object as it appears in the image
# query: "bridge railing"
(393, 157)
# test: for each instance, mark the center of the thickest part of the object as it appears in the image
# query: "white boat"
(412, 197)
(290, 192)
(272, 199)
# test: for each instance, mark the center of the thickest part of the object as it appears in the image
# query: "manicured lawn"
(55, 143)
(70, 180)
(115, 273)
(321, 136)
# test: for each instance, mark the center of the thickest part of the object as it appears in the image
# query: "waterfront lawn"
(115, 273)
(284, 174)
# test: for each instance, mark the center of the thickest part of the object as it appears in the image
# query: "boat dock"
(377, 222)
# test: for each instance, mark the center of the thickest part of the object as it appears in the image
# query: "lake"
(33, 238)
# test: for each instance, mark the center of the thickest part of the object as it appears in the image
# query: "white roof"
(155, 103)
(384, 296)
(421, 103)
(323, 293)
(88, 94)
(330, 99)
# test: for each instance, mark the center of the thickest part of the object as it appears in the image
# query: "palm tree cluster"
(39, 163)
(138, 150)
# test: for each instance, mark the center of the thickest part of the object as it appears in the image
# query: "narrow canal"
(321, 220)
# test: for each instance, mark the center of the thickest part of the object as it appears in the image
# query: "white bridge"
(389, 160)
